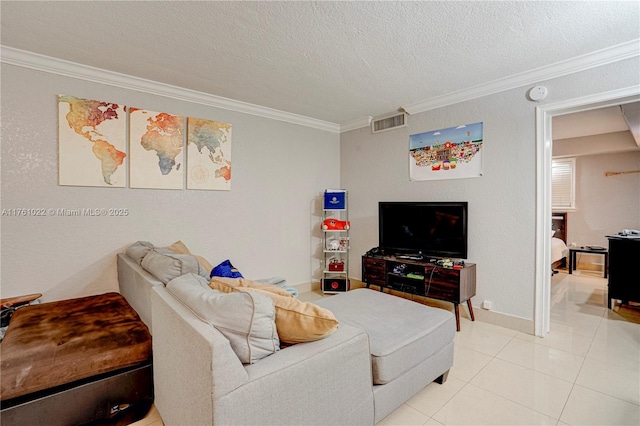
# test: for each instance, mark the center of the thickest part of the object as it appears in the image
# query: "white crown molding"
(356, 124)
(585, 62)
(25, 59)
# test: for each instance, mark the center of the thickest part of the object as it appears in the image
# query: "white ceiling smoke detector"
(538, 93)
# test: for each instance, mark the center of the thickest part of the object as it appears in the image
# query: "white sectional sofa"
(384, 350)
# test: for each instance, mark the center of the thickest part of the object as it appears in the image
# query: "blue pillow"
(225, 269)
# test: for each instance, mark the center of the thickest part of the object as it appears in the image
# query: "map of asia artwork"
(455, 152)
(92, 140)
(156, 150)
(208, 154)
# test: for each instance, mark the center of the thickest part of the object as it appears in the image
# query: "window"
(563, 183)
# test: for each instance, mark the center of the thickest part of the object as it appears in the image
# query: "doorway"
(544, 145)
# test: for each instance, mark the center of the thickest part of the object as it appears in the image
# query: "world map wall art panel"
(156, 142)
(208, 154)
(92, 140)
(451, 153)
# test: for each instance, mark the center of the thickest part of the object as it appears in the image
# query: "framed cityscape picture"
(451, 153)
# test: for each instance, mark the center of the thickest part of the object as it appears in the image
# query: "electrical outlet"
(486, 305)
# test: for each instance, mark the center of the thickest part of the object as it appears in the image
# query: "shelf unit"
(335, 242)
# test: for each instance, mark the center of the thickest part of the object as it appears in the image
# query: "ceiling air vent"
(389, 123)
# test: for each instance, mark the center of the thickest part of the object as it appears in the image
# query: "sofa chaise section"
(411, 345)
(200, 380)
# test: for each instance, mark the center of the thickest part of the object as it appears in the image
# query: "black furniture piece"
(574, 250)
(422, 278)
(624, 272)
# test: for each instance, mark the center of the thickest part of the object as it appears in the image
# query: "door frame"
(544, 146)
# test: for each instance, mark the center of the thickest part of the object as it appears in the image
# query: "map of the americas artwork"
(92, 140)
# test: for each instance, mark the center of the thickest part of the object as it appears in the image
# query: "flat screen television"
(427, 229)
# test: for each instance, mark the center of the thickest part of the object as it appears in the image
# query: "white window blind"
(563, 183)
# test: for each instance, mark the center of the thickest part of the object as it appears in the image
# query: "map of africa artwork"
(92, 140)
(208, 154)
(451, 153)
(156, 150)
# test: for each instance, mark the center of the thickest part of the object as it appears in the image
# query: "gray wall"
(604, 205)
(264, 224)
(501, 203)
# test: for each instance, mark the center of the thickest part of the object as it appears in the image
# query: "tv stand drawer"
(374, 271)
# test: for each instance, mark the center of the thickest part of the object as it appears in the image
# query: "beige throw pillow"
(296, 321)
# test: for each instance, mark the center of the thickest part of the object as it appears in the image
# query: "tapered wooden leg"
(455, 305)
(470, 310)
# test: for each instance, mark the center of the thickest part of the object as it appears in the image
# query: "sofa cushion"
(297, 321)
(247, 320)
(138, 250)
(243, 282)
(166, 265)
(402, 333)
(180, 248)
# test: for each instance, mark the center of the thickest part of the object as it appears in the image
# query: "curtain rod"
(607, 174)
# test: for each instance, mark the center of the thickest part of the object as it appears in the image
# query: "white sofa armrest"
(135, 285)
(193, 363)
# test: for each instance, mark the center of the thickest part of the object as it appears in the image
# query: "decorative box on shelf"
(336, 265)
(335, 285)
(335, 199)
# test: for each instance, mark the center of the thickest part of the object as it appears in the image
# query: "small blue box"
(335, 199)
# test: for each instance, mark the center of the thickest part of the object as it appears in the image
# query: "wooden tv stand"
(422, 278)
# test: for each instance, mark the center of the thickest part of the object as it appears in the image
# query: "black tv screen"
(430, 229)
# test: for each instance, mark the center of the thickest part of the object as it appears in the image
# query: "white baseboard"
(503, 320)
(307, 287)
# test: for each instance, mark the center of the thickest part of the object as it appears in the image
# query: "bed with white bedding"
(559, 250)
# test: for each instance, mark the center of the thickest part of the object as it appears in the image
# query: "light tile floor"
(585, 372)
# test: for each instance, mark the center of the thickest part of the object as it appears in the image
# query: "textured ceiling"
(333, 61)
